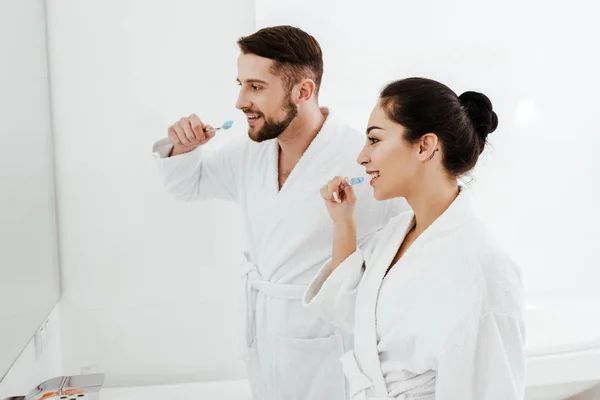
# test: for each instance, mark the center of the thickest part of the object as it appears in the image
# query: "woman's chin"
(379, 195)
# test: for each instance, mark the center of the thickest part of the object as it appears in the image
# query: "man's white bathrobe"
(292, 352)
(445, 323)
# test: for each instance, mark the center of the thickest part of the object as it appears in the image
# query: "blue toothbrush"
(226, 125)
(353, 181)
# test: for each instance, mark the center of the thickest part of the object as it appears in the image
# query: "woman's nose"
(363, 158)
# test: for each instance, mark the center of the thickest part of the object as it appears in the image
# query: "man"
(295, 148)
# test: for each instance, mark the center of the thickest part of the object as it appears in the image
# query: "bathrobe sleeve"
(485, 362)
(200, 174)
(333, 294)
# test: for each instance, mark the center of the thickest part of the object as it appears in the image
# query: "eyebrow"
(253, 81)
(369, 129)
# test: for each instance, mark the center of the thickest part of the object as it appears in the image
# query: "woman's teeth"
(374, 175)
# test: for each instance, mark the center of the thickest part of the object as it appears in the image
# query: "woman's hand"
(340, 203)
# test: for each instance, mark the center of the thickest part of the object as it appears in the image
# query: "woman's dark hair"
(462, 123)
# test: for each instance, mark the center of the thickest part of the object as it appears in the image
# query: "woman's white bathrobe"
(445, 323)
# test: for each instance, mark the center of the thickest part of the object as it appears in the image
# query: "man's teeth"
(252, 116)
(374, 175)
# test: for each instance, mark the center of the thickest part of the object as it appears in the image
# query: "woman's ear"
(428, 145)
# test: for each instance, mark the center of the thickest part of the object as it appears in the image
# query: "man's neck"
(301, 132)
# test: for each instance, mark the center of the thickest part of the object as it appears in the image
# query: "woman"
(435, 305)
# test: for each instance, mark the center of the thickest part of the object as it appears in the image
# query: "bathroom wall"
(148, 283)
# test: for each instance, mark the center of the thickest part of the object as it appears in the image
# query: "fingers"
(325, 193)
(173, 138)
(209, 132)
(331, 191)
(198, 128)
(190, 131)
(334, 188)
(187, 130)
(349, 195)
(180, 135)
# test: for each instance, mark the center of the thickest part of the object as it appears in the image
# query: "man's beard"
(271, 129)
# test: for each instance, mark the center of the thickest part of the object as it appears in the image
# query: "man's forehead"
(251, 66)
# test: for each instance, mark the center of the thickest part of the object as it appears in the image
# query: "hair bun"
(480, 112)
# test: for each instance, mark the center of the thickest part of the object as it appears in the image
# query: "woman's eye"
(373, 140)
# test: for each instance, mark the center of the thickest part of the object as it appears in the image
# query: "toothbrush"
(353, 181)
(226, 125)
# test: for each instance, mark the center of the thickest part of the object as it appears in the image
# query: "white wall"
(538, 61)
(148, 283)
(29, 274)
(41, 360)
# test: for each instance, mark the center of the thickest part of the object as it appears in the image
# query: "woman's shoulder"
(500, 273)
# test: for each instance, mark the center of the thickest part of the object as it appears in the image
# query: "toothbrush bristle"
(227, 124)
(354, 181)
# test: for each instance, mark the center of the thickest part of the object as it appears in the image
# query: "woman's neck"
(430, 201)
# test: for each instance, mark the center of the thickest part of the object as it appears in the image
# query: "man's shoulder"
(347, 132)
(348, 142)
